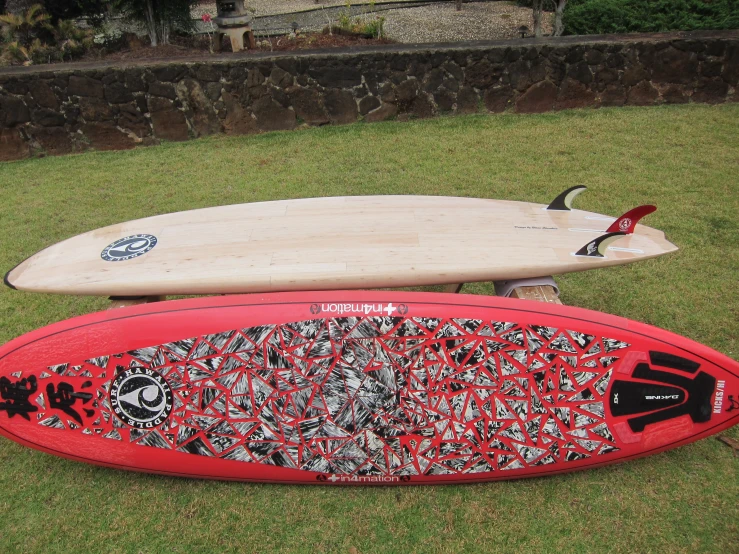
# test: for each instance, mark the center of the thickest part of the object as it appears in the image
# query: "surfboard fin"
(624, 225)
(627, 222)
(563, 202)
(596, 248)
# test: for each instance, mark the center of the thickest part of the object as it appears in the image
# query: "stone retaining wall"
(73, 107)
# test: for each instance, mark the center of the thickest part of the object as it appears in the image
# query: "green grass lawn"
(683, 159)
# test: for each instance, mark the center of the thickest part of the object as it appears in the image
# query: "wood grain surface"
(333, 243)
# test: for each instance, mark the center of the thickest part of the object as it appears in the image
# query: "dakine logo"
(367, 309)
(662, 396)
(141, 398)
(625, 224)
(358, 479)
(128, 247)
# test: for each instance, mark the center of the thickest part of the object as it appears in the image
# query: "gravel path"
(443, 23)
(273, 7)
(425, 22)
(317, 20)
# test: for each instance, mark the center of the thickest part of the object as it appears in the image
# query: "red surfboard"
(360, 388)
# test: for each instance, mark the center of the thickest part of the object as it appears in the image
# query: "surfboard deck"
(360, 388)
(332, 243)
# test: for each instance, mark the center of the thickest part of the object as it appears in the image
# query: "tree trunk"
(536, 12)
(164, 32)
(559, 9)
(151, 23)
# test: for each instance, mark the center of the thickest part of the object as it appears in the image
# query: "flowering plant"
(208, 19)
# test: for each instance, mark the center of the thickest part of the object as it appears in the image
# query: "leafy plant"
(31, 38)
(25, 24)
(375, 27)
(345, 20)
(584, 17)
(15, 52)
(70, 39)
(6, 35)
(362, 25)
(108, 37)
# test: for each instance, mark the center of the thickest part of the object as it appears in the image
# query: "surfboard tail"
(624, 225)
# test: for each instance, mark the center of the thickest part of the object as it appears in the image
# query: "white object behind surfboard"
(341, 242)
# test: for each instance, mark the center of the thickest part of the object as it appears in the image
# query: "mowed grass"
(683, 159)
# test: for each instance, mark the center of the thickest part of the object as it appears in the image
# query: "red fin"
(627, 222)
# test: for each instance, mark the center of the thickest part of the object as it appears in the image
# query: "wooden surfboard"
(331, 243)
(360, 388)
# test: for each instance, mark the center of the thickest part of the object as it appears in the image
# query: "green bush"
(589, 17)
(29, 38)
(94, 10)
(364, 26)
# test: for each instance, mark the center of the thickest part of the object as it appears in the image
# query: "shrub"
(587, 17)
(29, 38)
(25, 25)
(93, 10)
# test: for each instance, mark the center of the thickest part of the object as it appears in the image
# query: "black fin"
(563, 202)
(596, 247)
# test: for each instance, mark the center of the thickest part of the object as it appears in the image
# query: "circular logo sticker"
(128, 247)
(625, 224)
(141, 398)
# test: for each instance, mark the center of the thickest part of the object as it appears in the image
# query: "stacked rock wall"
(72, 107)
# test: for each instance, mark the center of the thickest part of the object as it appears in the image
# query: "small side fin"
(596, 248)
(563, 202)
(627, 222)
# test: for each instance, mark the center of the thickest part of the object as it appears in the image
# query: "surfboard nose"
(7, 281)
(661, 398)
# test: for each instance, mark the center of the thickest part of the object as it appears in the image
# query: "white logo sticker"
(128, 247)
(141, 398)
